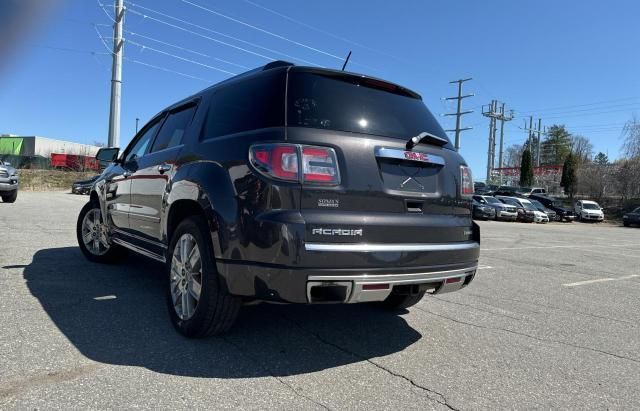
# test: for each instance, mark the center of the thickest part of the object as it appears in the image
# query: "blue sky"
(570, 62)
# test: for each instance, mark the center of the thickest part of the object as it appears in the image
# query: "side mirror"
(6, 163)
(107, 155)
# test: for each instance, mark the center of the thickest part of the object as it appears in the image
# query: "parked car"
(483, 211)
(562, 213)
(527, 191)
(526, 211)
(481, 188)
(553, 216)
(502, 211)
(9, 182)
(527, 216)
(506, 191)
(588, 211)
(84, 186)
(244, 206)
(632, 217)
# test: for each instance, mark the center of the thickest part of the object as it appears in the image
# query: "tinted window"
(355, 104)
(170, 135)
(141, 144)
(247, 105)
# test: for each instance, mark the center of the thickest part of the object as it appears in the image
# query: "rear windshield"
(355, 104)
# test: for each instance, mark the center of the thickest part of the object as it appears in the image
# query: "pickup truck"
(8, 182)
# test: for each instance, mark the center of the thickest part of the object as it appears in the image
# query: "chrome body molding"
(375, 248)
(417, 156)
(138, 250)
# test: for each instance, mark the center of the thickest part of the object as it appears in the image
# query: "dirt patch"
(47, 180)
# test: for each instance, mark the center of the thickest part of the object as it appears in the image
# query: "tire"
(106, 254)
(11, 197)
(397, 302)
(212, 311)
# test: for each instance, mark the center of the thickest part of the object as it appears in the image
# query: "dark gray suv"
(288, 184)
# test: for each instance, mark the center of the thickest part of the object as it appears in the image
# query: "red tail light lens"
(466, 181)
(276, 160)
(319, 165)
(280, 161)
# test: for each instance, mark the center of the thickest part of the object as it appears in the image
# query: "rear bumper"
(296, 284)
(367, 288)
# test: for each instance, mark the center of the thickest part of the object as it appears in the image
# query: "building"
(35, 151)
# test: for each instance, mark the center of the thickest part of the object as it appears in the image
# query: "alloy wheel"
(186, 276)
(94, 234)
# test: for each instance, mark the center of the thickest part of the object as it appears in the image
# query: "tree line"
(583, 172)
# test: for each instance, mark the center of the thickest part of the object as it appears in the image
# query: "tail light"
(466, 181)
(293, 162)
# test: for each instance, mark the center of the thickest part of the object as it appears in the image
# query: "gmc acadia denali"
(288, 184)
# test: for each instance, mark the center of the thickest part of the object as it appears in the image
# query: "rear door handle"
(163, 168)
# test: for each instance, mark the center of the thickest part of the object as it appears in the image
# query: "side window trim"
(192, 103)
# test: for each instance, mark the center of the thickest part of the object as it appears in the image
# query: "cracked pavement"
(515, 338)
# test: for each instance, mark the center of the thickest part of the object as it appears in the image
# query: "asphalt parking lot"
(551, 321)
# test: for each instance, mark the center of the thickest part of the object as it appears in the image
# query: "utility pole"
(530, 131)
(539, 142)
(503, 117)
(459, 113)
(116, 75)
(494, 115)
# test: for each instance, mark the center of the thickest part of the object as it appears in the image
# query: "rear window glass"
(357, 105)
(249, 104)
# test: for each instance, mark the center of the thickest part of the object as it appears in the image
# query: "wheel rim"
(186, 276)
(94, 235)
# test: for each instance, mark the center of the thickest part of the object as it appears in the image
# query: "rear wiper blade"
(413, 141)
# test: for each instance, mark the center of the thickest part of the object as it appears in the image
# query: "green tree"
(569, 180)
(601, 159)
(556, 146)
(526, 169)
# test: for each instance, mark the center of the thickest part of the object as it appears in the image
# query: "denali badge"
(342, 232)
(328, 202)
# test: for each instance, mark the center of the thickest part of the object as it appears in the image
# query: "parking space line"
(601, 280)
(556, 246)
(484, 267)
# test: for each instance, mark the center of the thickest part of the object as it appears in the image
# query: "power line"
(167, 70)
(218, 33)
(144, 63)
(579, 105)
(185, 49)
(592, 109)
(263, 30)
(201, 35)
(319, 30)
(102, 6)
(145, 47)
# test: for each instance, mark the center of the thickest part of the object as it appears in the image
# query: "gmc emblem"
(410, 155)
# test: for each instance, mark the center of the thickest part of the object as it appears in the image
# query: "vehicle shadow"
(116, 314)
